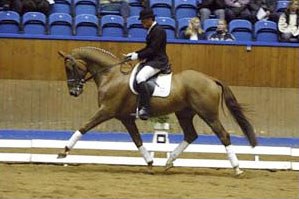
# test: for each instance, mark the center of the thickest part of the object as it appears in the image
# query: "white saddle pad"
(163, 84)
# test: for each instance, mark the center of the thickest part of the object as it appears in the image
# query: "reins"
(106, 68)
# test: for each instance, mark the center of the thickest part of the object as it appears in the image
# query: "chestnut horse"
(192, 93)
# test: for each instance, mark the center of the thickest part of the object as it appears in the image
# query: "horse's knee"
(191, 138)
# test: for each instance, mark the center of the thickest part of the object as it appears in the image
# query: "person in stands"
(221, 33)
(194, 30)
(288, 24)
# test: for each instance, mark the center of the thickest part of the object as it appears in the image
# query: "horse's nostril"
(73, 93)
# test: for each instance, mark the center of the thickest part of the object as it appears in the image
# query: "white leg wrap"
(232, 156)
(178, 150)
(146, 155)
(73, 140)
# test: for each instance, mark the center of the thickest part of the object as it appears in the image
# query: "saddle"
(159, 85)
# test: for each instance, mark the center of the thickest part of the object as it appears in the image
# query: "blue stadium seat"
(161, 8)
(182, 25)
(135, 7)
(85, 7)
(169, 25)
(86, 25)
(112, 26)
(62, 6)
(185, 8)
(34, 23)
(281, 6)
(60, 24)
(266, 31)
(135, 28)
(9, 22)
(241, 29)
(210, 26)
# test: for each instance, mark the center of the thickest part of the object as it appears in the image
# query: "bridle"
(81, 81)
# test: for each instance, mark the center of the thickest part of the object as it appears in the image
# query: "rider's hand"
(132, 56)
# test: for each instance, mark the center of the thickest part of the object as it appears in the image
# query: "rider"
(154, 58)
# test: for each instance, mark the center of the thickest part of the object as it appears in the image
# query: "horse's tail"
(236, 111)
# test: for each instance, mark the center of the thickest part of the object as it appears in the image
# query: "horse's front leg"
(98, 118)
(130, 125)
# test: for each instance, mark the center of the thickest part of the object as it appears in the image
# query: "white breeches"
(145, 73)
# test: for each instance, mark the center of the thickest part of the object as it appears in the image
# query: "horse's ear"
(62, 54)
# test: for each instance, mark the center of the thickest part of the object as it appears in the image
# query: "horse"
(192, 93)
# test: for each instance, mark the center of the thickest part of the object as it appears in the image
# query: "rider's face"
(147, 23)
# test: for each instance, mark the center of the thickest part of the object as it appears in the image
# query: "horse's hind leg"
(185, 118)
(224, 137)
(130, 125)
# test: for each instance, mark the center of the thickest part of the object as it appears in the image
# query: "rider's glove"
(132, 56)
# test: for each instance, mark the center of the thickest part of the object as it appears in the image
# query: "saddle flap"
(159, 84)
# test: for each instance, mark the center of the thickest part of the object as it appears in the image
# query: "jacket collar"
(152, 26)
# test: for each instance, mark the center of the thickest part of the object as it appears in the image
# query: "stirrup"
(143, 113)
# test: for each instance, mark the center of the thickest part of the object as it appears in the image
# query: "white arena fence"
(160, 143)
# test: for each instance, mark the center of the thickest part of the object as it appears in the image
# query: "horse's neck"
(101, 63)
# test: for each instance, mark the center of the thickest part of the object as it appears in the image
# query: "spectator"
(221, 33)
(14, 5)
(36, 6)
(209, 7)
(288, 24)
(194, 30)
(122, 6)
(264, 9)
(237, 9)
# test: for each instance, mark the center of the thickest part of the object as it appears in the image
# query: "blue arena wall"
(147, 137)
(175, 41)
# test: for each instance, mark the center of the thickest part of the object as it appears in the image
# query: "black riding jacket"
(155, 50)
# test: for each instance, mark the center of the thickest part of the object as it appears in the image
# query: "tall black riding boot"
(144, 101)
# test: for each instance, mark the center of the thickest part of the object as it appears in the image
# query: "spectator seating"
(169, 25)
(210, 26)
(135, 7)
(241, 29)
(85, 7)
(266, 31)
(112, 26)
(281, 6)
(60, 24)
(34, 23)
(185, 8)
(161, 8)
(182, 25)
(135, 28)
(9, 22)
(86, 25)
(62, 6)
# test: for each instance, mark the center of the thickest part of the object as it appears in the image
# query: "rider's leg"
(144, 74)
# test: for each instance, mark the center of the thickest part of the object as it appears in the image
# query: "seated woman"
(221, 33)
(288, 24)
(194, 30)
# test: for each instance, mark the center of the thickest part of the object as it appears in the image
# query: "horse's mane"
(93, 52)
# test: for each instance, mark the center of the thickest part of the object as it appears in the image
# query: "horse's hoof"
(238, 172)
(61, 155)
(168, 166)
(150, 168)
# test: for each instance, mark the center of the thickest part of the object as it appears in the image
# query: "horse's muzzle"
(75, 92)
